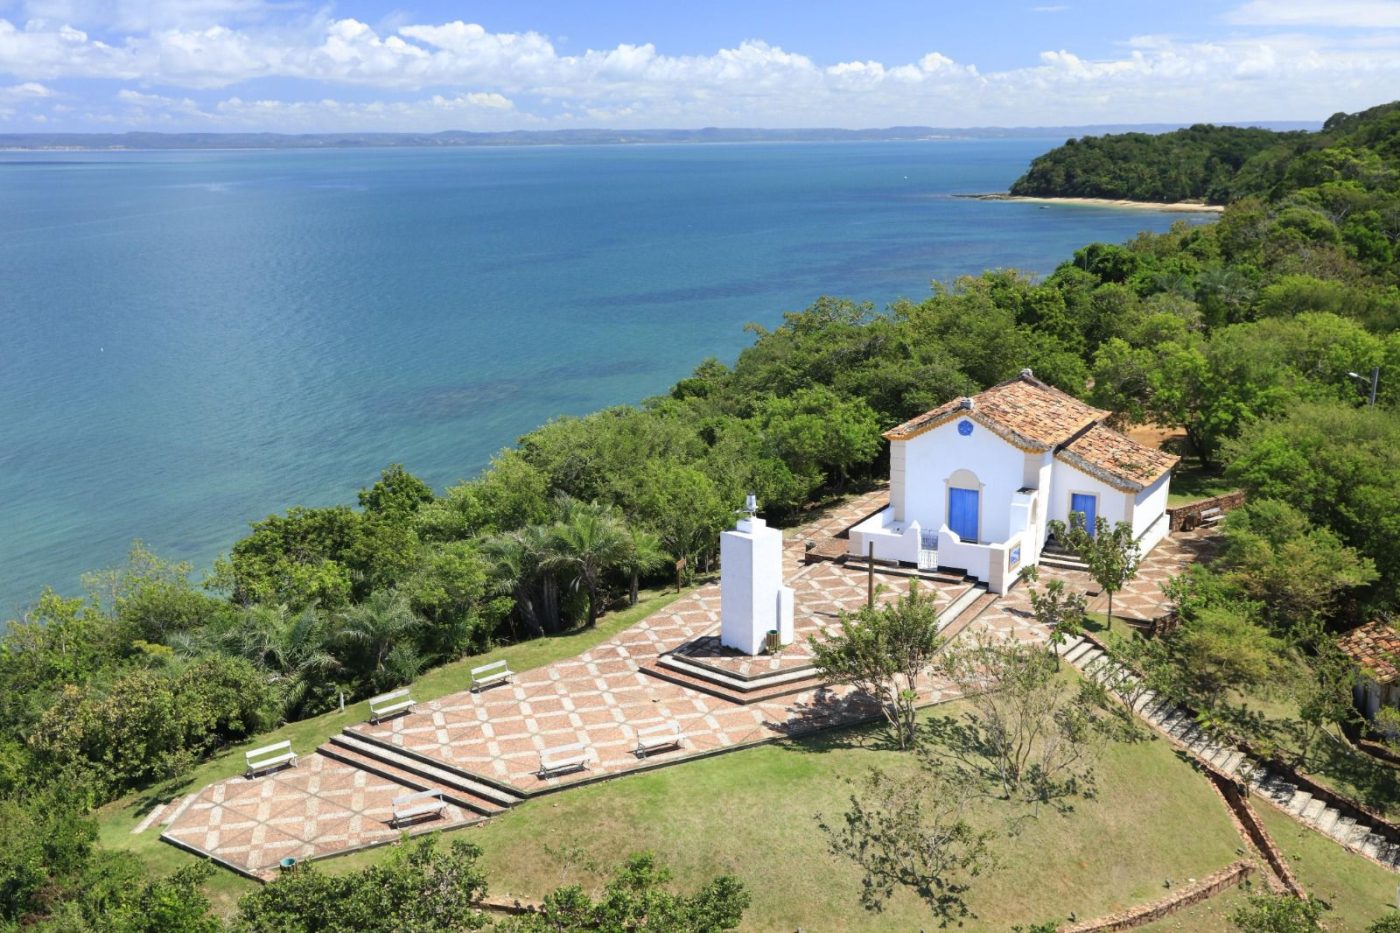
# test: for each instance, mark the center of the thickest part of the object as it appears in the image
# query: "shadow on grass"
(1375, 783)
(827, 723)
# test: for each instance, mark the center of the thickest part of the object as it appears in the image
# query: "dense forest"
(1351, 154)
(1243, 334)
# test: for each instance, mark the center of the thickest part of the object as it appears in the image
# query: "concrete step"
(1314, 809)
(1062, 562)
(1342, 829)
(956, 608)
(708, 684)
(478, 795)
(1079, 651)
(738, 684)
(968, 613)
(1359, 831)
(1232, 761)
(1069, 645)
(1371, 844)
(1327, 819)
(449, 792)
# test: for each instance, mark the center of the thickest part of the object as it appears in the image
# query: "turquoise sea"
(192, 340)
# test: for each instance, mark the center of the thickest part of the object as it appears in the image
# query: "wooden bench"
(269, 757)
(413, 806)
(655, 738)
(497, 672)
(572, 757)
(389, 704)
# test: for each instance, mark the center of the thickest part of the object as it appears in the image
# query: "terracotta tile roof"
(1376, 647)
(1117, 459)
(1024, 410)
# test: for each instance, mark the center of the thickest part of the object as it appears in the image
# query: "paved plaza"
(340, 798)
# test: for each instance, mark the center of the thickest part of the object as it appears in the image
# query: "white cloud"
(1357, 14)
(458, 74)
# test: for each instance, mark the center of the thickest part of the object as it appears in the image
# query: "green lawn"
(1358, 890)
(1192, 481)
(118, 819)
(752, 813)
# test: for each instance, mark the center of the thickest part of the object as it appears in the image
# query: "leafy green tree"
(48, 843)
(1060, 611)
(1278, 913)
(912, 832)
(1110, 552)
(417, 889)
(636, 898)
(883, 651)
(297, 559)
(1028, 734)
(1298, 573)
(294, 648)
(1340, 466)
(684, 507)
(815, 430)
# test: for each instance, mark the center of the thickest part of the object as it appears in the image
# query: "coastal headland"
(1183, 207)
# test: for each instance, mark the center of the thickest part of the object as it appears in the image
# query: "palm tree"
(292, 649)
(520, 565)
(644, 555)
(589, 540)
(377, 626)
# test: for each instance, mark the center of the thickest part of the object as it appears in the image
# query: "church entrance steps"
(366, 759)
(1054, 556)
(496, 793)
(1355, 829)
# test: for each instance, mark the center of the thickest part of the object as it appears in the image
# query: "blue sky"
(327, 65)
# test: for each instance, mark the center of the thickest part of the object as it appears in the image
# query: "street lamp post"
(1375, 382)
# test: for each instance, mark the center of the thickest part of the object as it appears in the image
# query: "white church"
(974, 482)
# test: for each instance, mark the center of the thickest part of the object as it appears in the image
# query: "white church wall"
(931, 458)
(1114, 505)
(1150, 505)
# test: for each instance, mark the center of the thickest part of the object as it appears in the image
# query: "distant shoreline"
(1182, 207)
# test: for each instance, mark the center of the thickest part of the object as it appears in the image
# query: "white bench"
(497, 672)
(269, 757)
(389, 704)
(412, 806)
(655, 738)
(563, 758)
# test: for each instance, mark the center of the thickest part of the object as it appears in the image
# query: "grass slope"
(752, 813)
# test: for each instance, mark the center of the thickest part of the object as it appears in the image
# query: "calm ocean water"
(192, 340)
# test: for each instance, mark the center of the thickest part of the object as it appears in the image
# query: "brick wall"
(1208, 887)
(1187, 517)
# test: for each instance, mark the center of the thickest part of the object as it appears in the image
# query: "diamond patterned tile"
(601, 699)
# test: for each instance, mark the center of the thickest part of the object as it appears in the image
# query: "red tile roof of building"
(1376, 647)
(1024, 410)
(1117, 459)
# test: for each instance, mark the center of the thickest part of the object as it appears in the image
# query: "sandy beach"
(1178, 206)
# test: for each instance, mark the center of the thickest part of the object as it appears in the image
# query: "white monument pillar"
(752, 597)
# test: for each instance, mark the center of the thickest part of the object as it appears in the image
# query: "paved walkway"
(600, 699)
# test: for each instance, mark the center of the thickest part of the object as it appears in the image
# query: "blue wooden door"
(962, 512)
(1089, 505)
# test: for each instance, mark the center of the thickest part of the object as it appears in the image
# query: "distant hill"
(1215, 164)
(581, 137)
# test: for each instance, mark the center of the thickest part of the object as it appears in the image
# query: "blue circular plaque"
(964, 427)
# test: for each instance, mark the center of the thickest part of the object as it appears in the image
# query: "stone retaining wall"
(1208, 887)
(1188, 517)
